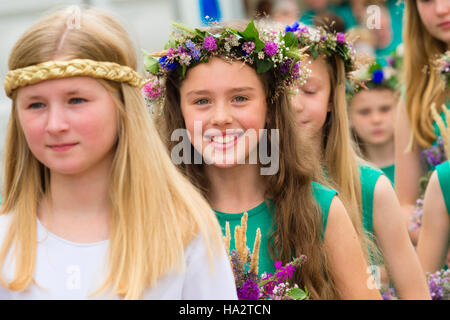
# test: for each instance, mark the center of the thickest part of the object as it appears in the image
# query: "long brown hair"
(298, 224)
(422, 85)
(340, 152)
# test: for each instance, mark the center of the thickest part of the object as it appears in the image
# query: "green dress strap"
(368, 177)
(323, 196)
(389, 171)
(443, 172)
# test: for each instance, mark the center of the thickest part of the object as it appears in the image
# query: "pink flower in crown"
(152, 90)
(271, 48)
(340, 37)
(210, 43)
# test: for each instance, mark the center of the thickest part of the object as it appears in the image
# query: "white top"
(69, 270)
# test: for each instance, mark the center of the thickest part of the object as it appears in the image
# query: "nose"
(56, 119)
(221, 114)
(442, 7)
(376, 117)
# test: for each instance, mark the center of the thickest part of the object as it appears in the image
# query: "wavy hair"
(422, 85)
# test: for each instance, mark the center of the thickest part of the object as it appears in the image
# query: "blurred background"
(378, 24)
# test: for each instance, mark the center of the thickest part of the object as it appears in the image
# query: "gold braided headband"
(71, 68)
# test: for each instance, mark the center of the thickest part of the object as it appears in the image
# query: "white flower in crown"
(314, 35)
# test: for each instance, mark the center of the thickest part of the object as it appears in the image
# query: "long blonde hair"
(297, 217)
(155, 211)
(422, 85)
(339, 151)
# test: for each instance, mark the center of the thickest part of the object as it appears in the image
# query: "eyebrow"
(38, 97)
(202, 92)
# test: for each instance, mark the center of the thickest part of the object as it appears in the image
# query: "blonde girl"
(234, 86)
(426, 35)
(92, 205)
(321, 110)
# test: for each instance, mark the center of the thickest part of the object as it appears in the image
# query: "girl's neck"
(77, 206)
(381, 155)
(235, 189)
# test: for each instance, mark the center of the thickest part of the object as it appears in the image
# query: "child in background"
(368, 195)
(372, 114)
(92, 205)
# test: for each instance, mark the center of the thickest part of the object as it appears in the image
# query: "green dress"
(443, 172)
(368, 177)
(389, 171)
(262, 217)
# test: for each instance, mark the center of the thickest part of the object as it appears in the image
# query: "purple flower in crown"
(171, 52)
(248, 47)
(271, 48)
(285, 67)
(190, 45)
(323, 38)
(210, 43)
(181, 50)
(196, 53)
(340, 37)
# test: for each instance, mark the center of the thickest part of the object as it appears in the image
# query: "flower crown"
(265, 49)
(377, 76)
(319, 41)
(70, 68)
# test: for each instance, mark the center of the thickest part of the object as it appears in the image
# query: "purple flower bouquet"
(251, 286)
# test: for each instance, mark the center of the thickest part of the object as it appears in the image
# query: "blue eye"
(36, 105)
(240, 99)
(202, 101)
(77, 100)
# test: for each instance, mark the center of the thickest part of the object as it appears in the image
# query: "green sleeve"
(323, 196)
(443, 172)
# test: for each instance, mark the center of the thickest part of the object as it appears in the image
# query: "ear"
(330, 106)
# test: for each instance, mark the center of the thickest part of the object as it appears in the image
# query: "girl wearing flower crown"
(426, 35)
(233, 84)
(371, 114)
(92, 205)
(321, 111)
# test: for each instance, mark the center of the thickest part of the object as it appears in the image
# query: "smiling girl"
(92, 205)
(238, 86)
(321, 111)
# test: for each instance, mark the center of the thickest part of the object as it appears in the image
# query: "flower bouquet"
(251, 286)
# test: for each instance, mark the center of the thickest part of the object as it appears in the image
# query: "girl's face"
(223, 105)
(312, 102)
(372, 115)
(70, 124)
(435, 16)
